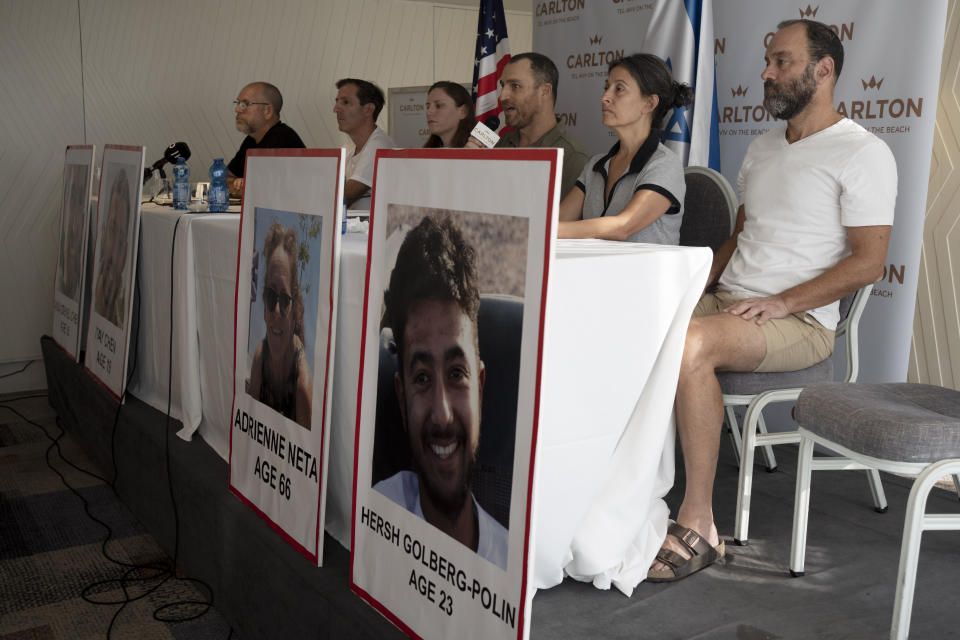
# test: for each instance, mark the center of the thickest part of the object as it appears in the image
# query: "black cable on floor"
(18, 371)
(173, 500)
(26, 397)
(161, 572)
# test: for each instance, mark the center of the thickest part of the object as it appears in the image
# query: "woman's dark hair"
(460, 97)
(654, 78)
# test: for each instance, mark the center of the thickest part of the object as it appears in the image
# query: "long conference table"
(615, 324)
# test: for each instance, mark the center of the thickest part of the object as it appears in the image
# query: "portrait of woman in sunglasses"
(280, 374)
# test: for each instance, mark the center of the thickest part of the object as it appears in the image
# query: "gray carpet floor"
(51, 551)
(847, 592)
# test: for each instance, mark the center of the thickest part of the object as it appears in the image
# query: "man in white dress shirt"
(357, 107)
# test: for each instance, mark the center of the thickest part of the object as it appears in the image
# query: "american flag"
(491, 56)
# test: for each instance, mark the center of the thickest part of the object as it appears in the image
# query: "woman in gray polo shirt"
(635, 191)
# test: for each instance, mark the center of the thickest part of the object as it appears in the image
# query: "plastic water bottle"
(181, 184)
(217, 196)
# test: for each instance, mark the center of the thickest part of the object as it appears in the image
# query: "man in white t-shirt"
(431, 304)
(357, 107)
(817, 200)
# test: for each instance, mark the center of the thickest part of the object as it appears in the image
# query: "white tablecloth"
(616, 321)
(157, 308)
(205, 276)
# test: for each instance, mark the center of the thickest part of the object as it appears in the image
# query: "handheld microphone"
(171, 154)
(485, 132)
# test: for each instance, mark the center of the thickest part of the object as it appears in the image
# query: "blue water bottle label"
(181, 184)
(218, 197)
(181, 191)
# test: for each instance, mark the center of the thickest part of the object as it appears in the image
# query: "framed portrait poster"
(460, 249)
(114, 266)
(71, 278)
(286, 309)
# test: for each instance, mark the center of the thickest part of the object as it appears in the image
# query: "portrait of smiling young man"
(431, 304)
(357, 107)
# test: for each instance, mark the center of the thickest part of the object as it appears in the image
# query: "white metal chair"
(903, 428)
(756, 391)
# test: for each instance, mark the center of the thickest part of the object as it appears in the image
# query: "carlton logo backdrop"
(890, 94)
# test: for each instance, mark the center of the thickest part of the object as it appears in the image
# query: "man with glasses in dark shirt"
(257, 109)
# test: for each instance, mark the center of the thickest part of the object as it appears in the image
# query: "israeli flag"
(681, 32)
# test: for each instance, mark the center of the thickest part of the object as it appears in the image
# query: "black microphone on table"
(486, 132)
(171, 154)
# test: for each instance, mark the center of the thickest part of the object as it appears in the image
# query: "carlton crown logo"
(881, 107)
(739, 91)
(593, 58)
(809, 12)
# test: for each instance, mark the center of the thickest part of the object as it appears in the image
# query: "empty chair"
(901, 428)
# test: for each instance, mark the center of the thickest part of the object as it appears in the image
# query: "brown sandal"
(701, 555)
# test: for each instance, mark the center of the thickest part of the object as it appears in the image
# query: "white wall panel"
(520, 29)
(43, 113)
(160, 72)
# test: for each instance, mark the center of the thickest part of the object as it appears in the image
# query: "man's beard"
(520, 118)
(793, 97)
(450, 504)
(243, 127)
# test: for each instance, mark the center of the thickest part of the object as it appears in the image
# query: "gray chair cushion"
(903, 422)
(748, 384)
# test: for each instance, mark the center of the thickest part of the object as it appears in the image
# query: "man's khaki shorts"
(794, 342)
